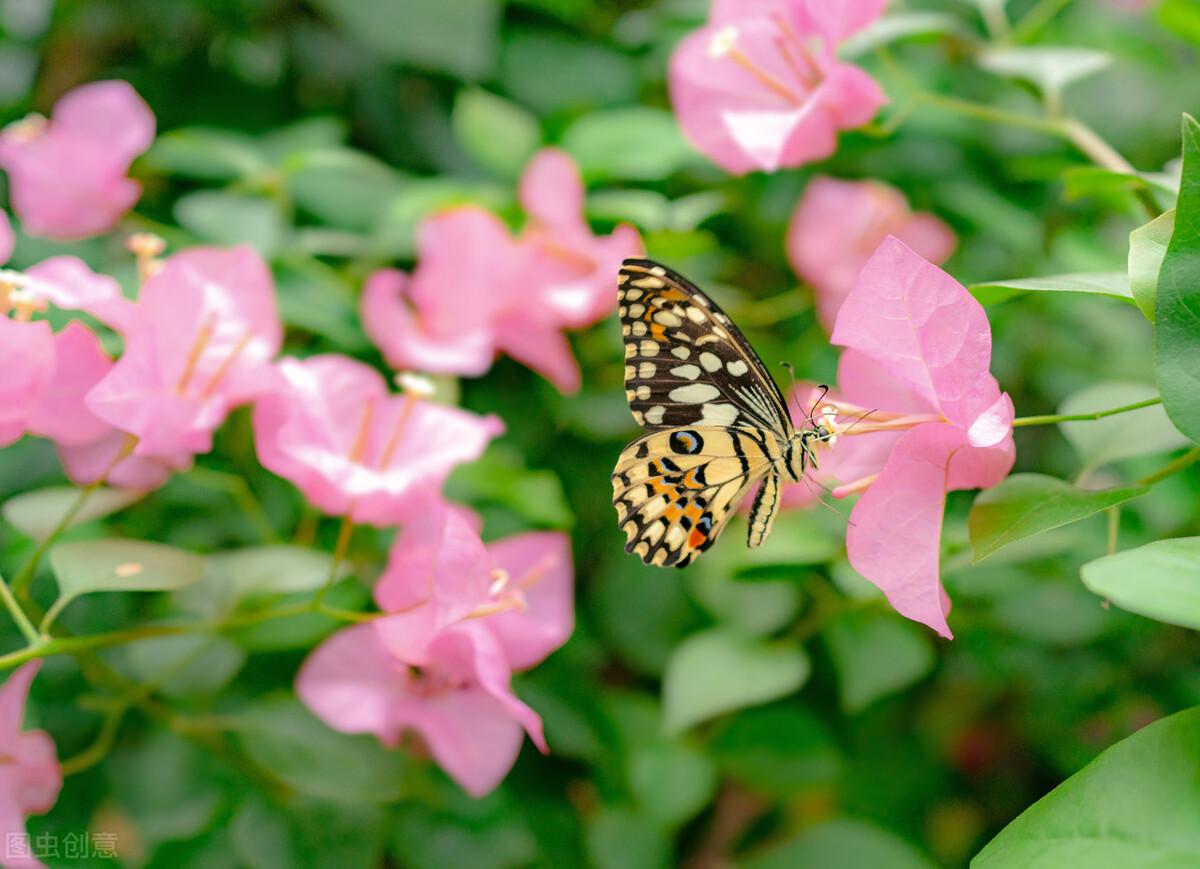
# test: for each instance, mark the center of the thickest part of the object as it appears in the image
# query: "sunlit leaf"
(719, 670)
(898, 26)
(1028, 504)
(1177, 303)
(1051, 68)
(86, 566)
(1160, 580)
(1147, 248)
(1114, 284)
(1134, 805)
(254, 574)
(36, 514)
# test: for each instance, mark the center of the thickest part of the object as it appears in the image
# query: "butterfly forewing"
(686, 363)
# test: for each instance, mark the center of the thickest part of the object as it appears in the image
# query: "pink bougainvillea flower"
(478, 290)
(760, 86)
(30, 778)
(67, 175)
(354, 449)
(7, 239)
(26, 368)
(66, 282)
(201, 343)
(464, 615)
(918, 349)
(837, 226)
(571, 268)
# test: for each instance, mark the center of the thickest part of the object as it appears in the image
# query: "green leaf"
(341, 186)
(454, 36)
(254, 575)
(1147, 249)
(781, 749)
(719, 670)
(636, 143)
(221, 217)
(1095, 181)
(501, 477)
(1114, 284)
(498, 134)
(316, 298)
(36, 514)
(1135, 805)
(618, 838)
(188, 665)
(206, 154)
(647, 209)
(875, 654)
(1028, 504)
(897, 26)
(599, 75)
(306, 834)
(1142, 432)
(291, 743)
(756, 608)
(671, 782)
(1050, 68)
(394, 236)
(1177, 305)
(85, 566)
(841, 842)
(1181, 17)
(1160, 580)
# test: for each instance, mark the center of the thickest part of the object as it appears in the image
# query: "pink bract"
(26, 369)
(67, 175)
(333, 429)
(31, 777)
(7, 239)
(201, 343)
(760, 86)
(838, 224)
(918, 343)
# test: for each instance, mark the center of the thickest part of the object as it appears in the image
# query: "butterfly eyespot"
(686, 443)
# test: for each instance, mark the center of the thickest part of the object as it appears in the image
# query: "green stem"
(345, 532)
(10, 602)
(20, 583)
(99, 748)
(238, 489)
(1186, 460)
(1037, 18)
(1050, 419)
(1103, 154)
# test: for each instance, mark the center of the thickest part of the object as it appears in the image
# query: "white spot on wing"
(710, 361)
(649, 348)
(681, 352)
(694, 393)
(654, 415)
(737, 368)
(688, 372)
(646, 370)
(718, 414)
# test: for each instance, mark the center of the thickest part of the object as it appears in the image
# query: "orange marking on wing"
(696, 538)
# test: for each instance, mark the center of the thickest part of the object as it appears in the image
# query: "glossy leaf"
(720, 670)
(36, 514)
(1177, 304)
(1160, 580)
(1133, 806)
(1112, 284)
(1147, 248)
(1028, 504)
(1142, 432)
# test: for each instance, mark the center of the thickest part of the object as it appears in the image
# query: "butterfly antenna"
(817, 403)
(792, 379)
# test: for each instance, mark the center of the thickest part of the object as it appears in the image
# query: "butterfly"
(715, 421)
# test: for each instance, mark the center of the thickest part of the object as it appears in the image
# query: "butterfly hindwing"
(686, 363)
(675, 489)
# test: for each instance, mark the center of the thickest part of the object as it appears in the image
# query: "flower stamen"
(226, 364)
(146, 248)
(415, 388)
(203, 337)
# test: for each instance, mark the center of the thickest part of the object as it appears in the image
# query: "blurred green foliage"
(761, 707)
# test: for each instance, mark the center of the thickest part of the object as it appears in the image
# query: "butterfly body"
(716, 422)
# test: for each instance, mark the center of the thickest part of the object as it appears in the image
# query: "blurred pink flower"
(335, 431)
(477, 290)
(68, 283)
(7, 239)
(67, 176)
(31, 778)
(837, 226)
(918, 349)
(464, 616)
(760, 86)
(571, 267)
(200, 343)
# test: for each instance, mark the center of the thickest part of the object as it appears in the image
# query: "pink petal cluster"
(198, 342)
(478, 291)
(30, 777)
(838, 224)
(761, 87)
(68, 175)
(332, 427)
(461, 616)
(918, 350)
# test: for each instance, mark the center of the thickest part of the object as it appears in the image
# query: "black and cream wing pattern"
(716, 423)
